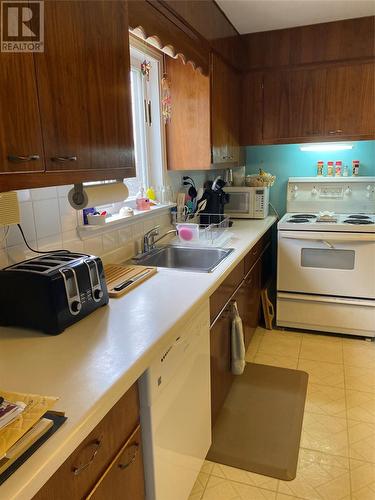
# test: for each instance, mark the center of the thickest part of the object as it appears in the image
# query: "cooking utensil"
(118, 275)
(201, 206)
(126, 283)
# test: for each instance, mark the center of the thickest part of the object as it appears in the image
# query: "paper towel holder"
(97, 193)
(78, 196)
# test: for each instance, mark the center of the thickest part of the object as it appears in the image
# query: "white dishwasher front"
(176, 411)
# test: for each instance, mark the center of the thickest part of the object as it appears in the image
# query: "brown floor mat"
(259, 427)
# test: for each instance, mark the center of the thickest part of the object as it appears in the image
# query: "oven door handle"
(328, 237)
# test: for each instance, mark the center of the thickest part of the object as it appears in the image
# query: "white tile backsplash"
(49, 243)
(47, 193)
(94, 245)
(62, 191)
(110, 241)
(24, 195)
(47, 217)
(49, 223)
(68, 216)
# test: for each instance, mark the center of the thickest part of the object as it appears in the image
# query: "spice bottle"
(330, 169)
(338, 168)
(319, 167)
(346, 171)
(355, 164)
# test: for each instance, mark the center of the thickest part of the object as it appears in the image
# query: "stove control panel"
(340, 194)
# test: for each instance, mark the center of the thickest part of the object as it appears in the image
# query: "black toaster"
(51, 292)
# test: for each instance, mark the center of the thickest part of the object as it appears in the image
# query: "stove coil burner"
(358, 221)
(303, 216)
(359, 217)
(298, 221)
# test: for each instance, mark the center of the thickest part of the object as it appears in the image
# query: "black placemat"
(58, 420)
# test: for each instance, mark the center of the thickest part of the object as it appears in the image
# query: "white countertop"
(93, 363)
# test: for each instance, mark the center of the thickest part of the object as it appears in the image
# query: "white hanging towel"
(237, 342)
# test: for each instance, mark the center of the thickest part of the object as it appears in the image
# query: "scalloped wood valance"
(152, 22)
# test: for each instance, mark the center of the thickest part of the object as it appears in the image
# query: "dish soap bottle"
(141, 201)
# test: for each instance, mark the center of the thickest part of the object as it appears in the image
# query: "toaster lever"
(96, 289)
(71, 290)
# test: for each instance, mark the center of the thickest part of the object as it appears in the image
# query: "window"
(146, 71)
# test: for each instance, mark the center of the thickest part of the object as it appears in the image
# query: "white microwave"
(247, 202)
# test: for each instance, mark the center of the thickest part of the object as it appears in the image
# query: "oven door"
(327, 263)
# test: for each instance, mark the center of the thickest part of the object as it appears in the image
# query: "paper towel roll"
(97, 195)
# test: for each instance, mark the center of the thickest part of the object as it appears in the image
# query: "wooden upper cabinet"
(350, 101)
(21, 148)
(188, 133)
(307, 102)
(276, 104)
(84, 86)
(225, 117)
(294, 104)
(252, 108)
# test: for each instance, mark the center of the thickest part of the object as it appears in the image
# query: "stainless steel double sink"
(203, 260)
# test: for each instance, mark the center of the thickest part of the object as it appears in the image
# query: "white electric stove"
(326, 256)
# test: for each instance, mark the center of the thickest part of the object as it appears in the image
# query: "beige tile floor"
(337, 454)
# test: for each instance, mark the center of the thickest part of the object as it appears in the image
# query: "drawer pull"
(132, 459)
(332, 132)
(80, 468)
(22, 159)
(64, 158)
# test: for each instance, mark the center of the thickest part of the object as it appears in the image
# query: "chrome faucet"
(149, 240)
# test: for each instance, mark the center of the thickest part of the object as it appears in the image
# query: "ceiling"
(250, 16)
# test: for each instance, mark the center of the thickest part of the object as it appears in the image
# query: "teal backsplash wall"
(287, 160)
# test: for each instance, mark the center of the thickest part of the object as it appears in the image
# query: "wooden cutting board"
(116, 274)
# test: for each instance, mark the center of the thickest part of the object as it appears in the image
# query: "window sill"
(118, 221)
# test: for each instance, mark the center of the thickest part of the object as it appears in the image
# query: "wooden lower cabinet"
(221, 375)
(94, 469)
(249, 302)
(123, 479)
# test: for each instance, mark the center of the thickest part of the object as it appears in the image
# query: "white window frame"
(153, 148)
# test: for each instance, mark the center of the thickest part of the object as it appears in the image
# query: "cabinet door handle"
(132, 459)
(338, 131)
(81, 468)
(22, 159)
(64, 158)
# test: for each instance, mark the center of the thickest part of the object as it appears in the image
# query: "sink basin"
(184, 258)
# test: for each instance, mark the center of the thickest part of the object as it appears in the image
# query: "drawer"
(257, 250)
(79, 473)
(124, 478)
(221, 296)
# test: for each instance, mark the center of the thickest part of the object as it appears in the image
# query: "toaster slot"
(32, 267)
(72, 290)
(96, 288)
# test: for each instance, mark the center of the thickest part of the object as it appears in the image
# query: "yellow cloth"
(36, 407)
